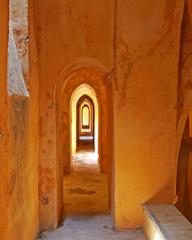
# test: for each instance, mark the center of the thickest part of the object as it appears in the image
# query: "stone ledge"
(165, 222)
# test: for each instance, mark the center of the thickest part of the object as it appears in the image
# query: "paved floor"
(90, 228)
(85, 162)
(85, 189)
(85, 193)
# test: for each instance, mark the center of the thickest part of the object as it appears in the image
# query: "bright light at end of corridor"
(157, 236)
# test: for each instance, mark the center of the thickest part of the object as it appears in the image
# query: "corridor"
(86, 204)
(96, 119)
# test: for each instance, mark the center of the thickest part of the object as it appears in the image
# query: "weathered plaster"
(4, 136)
(148, 39)
(21, 192)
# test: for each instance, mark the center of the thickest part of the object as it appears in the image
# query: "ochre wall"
(23, 137)
(18, 151)
(138, 42)
(148, 37)
(4, 136)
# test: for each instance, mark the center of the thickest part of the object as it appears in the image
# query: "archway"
(84, 128)
(85, 124)
(84, 93)
(100, 91)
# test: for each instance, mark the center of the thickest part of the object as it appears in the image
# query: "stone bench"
(165, 222)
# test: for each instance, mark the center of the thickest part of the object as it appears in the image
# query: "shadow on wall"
(184, 175)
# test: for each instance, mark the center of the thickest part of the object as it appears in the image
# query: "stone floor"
(90, 228)
(85, 188)
(85, 161)
(85, 198)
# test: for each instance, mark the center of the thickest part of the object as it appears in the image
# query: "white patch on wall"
(16, 82)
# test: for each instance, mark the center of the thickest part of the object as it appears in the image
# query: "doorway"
(85, 188)
(85, 124)
(84, 147)
(84, 128)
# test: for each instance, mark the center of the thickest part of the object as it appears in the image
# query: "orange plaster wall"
(19, 199)
(23, 163)
(145, 106)
(4, 136)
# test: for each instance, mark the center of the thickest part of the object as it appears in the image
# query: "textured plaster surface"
(145, 114)
(21, 191)
(4, 137)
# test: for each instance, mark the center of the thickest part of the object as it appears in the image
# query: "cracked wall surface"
(148, 41)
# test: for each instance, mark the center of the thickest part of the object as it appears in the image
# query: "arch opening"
(84, 87)
(85, 113)
(84, 119)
